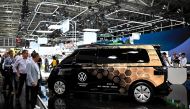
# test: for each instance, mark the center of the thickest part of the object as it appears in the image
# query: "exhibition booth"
(108, 54)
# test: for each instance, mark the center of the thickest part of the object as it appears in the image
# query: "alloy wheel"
(59, 87)
(142, 93)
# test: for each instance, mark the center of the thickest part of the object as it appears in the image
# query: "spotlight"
(77, 1)
(98, 1)
(164, 7)
(179, 10)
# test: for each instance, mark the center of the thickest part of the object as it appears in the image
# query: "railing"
(40, 103)
(7, 42)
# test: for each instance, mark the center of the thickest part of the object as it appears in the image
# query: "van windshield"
(69, 59)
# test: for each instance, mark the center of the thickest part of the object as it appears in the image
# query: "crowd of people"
(22, 68)
(177, 60)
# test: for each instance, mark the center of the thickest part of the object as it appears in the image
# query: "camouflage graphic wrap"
(127, 73)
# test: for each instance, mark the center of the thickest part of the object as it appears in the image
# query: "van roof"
(104, 45)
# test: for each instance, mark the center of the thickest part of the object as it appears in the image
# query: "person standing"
(165, 59)
(8, 71)
(33, 77)
(183, 60)
(46, 65)
(39, 62)
(5, 55)
(18, 55)
(175, 60)
(14, 76)
(54, 62)
(20, 66)
(39, 66)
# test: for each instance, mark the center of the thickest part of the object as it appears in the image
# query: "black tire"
(141, 92)
(60, 87)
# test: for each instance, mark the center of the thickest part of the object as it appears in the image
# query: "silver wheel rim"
(59, 87)
(142, 93)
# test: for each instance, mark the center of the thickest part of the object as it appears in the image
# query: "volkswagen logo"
(82, 76)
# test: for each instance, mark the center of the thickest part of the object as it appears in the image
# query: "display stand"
(177, 75)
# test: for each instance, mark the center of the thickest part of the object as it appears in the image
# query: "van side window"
(122, 56)
(112, 56)
(137, 56)
(86, 56)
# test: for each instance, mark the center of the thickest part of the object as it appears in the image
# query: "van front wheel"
(59, 87)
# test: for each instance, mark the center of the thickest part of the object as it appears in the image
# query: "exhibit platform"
(179, 98)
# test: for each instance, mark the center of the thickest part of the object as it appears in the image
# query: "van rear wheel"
(142, 92)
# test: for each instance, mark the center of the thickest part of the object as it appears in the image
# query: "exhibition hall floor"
(179, 98)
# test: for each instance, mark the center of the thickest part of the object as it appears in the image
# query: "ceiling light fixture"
(40, 31)
(91, 30)
(54, 27)
(7, 11)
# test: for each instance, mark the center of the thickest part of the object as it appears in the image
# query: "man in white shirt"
(8, 70)
(18, 56)
(183, 60)
(20, 66)
(33, 76)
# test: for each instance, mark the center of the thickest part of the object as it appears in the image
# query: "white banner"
(65, 26)
(89, 37)
(42, 40)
